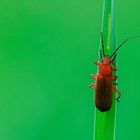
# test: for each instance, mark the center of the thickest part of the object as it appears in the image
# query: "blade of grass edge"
(104, 123)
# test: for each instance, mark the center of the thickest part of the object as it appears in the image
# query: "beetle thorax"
(105, 68)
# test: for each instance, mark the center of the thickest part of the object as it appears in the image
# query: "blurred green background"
(47, 49)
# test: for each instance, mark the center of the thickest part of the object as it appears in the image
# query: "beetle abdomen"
(103, 93)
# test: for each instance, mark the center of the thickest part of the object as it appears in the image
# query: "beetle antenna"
(102, 44)
(123, 44)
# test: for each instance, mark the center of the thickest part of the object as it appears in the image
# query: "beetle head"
(106, 60)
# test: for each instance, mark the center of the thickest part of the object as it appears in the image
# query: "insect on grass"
(104, 79)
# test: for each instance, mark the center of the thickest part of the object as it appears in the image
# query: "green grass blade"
(104, 122)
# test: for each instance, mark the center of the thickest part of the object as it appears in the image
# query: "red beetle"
(104, 84)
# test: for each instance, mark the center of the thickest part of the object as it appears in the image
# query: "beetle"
(104, 79)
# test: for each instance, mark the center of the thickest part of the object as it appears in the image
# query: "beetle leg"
(99, 59)
(93, 76)
(113, 68)
(118, 98)
(113, 63)
(92, 85)
(114, 77)
(118, 94)
(116, 90)
(97, 63)
(115, 84)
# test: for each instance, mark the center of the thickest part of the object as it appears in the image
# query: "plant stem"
(104, 122)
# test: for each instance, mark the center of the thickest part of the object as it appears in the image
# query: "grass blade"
(104, 122)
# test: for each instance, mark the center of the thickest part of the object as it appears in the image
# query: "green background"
(47, 49)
